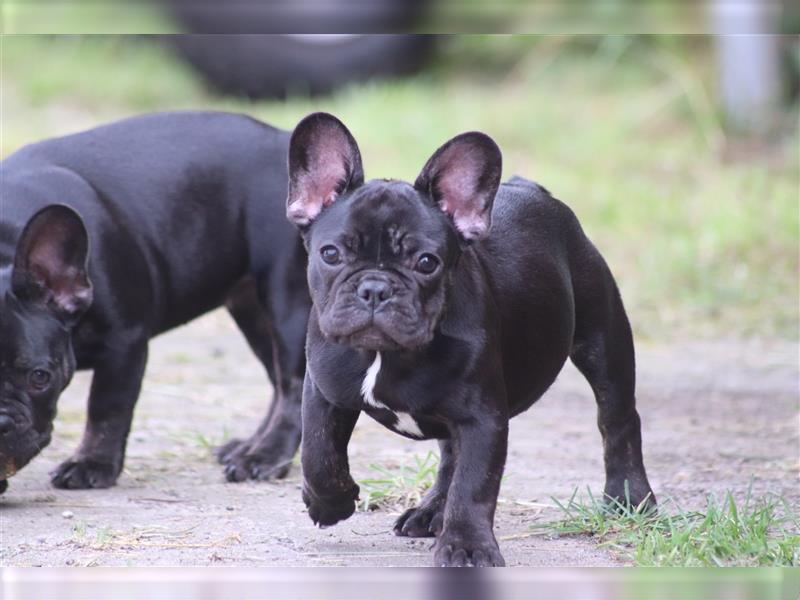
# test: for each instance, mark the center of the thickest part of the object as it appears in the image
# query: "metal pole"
(748, 63)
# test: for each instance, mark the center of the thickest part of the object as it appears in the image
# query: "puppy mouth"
(383, 329)
(375, 338)
(8, 467)
(368, 337)
(19, 451)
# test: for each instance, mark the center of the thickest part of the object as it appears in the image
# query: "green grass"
(754, 532)
(400, 487)
(623, 129)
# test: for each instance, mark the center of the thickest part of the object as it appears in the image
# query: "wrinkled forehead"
(388, 211)
(385, 203)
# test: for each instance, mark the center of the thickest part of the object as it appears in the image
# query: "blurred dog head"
(43, 292)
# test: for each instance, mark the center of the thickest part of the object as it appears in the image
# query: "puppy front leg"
(467, 537)
(426, 519)
(116, 384)
(329, 491)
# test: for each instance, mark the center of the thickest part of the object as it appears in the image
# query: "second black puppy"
(114, 235)
(438, 328)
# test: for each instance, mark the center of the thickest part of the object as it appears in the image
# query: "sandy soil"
(716, 416)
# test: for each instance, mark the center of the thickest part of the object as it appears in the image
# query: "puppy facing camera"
(442, 309)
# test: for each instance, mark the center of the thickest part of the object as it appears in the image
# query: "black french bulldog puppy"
(112, 236)
(439, 327)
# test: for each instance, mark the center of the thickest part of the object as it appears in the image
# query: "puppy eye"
(39, 378)
(330, 254)
(427, 264)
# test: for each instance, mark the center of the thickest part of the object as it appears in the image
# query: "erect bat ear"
(51, 262)
(324, 162)
(462, 177)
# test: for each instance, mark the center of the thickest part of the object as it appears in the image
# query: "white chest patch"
(403, 421)
(368, 385)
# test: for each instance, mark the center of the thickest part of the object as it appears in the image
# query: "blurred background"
(696, 213)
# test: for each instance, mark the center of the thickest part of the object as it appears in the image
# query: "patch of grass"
(79, 530)
(204, 442)
(398, 488)
(148, 537)
(180, 358)
(202, 445)
(104, 537)
(756, 532)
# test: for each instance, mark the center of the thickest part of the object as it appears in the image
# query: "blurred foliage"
(59, 17)
(622, 128)
(455, 16)
(576, 16)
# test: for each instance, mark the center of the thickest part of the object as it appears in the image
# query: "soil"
(717, 416)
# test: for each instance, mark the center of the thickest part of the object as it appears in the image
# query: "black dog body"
(524, 336)
(474, 333)
(182, 212)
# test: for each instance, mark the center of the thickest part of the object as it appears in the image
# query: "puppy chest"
(388, 406)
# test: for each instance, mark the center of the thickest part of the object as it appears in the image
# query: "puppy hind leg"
(603, 352)
(254, 323)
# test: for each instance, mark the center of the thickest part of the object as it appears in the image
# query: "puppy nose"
(6, 424)
(374, 292)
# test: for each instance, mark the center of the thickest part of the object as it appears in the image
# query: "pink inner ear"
(458, 187)
(67, 285)
(45, 258)
(315, 188)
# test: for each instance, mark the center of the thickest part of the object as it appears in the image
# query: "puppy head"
(42, 295)
(381, 253)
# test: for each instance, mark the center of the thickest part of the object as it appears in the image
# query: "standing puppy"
(439, 327)
(114, 235)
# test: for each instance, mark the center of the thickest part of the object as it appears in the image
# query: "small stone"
(67, 514)
(69, 562)
(231, 508)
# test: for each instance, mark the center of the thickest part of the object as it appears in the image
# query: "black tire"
(274, 65)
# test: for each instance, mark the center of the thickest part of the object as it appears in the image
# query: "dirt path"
(716, 416)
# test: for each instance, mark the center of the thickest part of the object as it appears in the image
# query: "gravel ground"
(717, 416)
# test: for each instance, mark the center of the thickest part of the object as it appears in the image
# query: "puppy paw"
(231, 450)
(454, 551)
(329, 509)
(257, 466)
(82, 474)
(622, 495)
(424, 520)
(261, 457)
